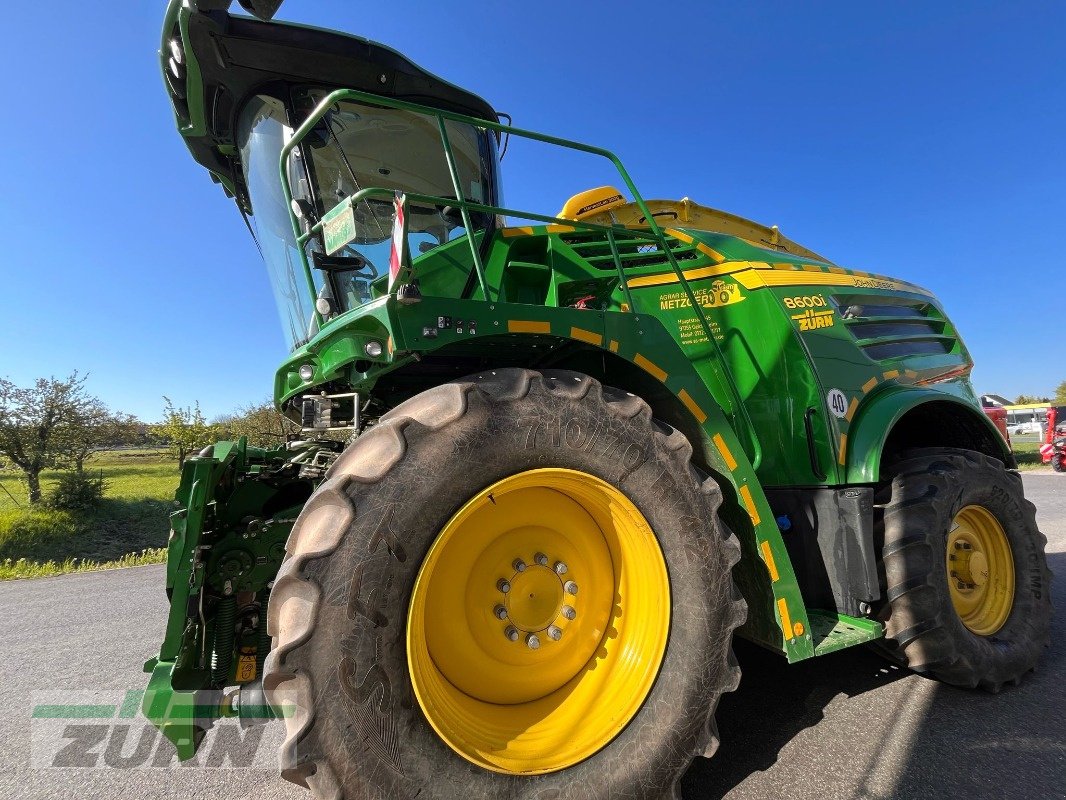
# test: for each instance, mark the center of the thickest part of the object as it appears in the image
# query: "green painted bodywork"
(227, 539)
(744, 341)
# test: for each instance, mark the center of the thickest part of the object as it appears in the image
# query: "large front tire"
(966, 578)
(409, 665)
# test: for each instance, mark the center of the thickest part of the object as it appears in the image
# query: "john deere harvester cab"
(550, 464)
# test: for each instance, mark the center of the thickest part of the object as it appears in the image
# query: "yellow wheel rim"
(538, 622)
(980, 570)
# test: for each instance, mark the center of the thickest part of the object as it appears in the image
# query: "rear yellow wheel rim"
(538, 622)
(980, 570)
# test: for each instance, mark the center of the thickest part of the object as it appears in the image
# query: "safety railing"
(654, 233)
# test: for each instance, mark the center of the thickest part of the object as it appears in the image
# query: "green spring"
(225, 628)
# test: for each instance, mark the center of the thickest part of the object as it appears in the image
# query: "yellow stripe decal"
(786, 620)
(586, 336)
(723, 448)
(749, 503)
(647, 366)
(851, 409)
(911, 374)
(681, 236)
(892, 373)
(690, 404)
(762, 278)
(528, 326)
(709, 251)
(768, 557)
(866, 387)
(614, 346)
(665, 278)
(522, 230)
(760, 275)
(843, 449)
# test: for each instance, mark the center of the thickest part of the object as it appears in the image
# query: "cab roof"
(214, 61)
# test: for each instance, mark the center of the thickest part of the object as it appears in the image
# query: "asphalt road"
(843, 726)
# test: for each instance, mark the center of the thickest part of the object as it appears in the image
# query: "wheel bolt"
(570, 587)
(511, 633)
(554, 633)
(503, 585)
(541, 559)
(569, 612)
(519, 565)
(560, 568)
(500, 612)
(532, 642)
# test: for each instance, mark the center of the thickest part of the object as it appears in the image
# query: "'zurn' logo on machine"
(105, 730)
(816, 312)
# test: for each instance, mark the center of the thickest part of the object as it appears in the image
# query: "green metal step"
(832, 631)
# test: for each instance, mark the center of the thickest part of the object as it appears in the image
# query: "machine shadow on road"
(959, 743)
(775, 702)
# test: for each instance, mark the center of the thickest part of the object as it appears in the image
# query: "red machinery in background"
(998, 415)
(1053, 450)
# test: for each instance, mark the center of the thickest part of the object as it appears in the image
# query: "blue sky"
(920, 140)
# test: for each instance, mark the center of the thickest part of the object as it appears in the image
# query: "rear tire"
(944, 515)
(341, 610)
(1058, 463)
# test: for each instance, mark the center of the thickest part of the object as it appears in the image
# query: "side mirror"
(264, 9)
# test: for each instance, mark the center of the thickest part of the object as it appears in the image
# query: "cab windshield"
(354, 147)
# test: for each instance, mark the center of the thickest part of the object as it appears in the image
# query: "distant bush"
(76, 491)
(35, 533)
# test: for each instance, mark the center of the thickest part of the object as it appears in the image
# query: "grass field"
(1028, 455)
(129, 526)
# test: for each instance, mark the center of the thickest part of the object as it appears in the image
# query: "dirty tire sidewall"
(368, 737)
(927, 488)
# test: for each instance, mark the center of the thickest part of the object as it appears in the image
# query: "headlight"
(373, 349)
(307, 372)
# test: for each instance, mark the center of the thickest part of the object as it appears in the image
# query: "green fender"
(777, 615)
(878, 415)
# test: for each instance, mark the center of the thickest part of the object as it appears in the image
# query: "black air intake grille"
(887, 331)
(633, 251)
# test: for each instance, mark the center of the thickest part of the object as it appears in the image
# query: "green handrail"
(734, 402)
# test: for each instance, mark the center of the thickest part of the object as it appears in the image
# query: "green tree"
(45, 426)
(96, 428)
(184, 430)
(260, 422)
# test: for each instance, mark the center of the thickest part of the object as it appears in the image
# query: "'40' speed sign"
(837, 402)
